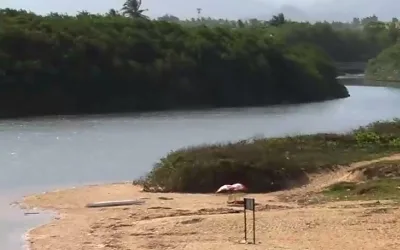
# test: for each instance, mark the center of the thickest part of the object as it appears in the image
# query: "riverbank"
(367, 81)
(169, 220)
(204, 221)
(15, 222)
(76, 150)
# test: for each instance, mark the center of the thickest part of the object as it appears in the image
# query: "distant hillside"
(386, 66)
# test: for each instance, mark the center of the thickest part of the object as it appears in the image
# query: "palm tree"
(278, 20)
(132, 9)
(112, 13)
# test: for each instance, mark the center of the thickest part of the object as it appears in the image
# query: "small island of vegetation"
(270, 164)
(58, 64)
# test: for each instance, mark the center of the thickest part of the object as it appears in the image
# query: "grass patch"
(269, 164)
(380, 189)
(376, 181)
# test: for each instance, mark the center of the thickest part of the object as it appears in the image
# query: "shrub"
(269, 164)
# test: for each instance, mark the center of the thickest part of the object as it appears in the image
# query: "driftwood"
(115, 203)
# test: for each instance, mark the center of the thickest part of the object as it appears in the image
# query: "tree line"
(358, 40)
(60, 64)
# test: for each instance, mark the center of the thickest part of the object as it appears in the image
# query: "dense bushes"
(386, 66)
(90, 63)
(346, 45)
(269, 164)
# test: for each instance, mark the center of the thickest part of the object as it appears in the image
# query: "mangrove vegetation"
(355, 41)
(60, 64)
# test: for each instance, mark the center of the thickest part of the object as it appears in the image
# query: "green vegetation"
(122, 61)
(269, 164)
(358, 40)
(386, 66)
(346, 45)
(59, 64)
(382, 189)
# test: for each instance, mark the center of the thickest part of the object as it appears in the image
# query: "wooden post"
(254, 226)
(245, 223)
(249, 204)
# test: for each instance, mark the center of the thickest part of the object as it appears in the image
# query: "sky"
(311, 10)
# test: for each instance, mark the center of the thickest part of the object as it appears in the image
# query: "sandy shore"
(196, 222)
(205, 222)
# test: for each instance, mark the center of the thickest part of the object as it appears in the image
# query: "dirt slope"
(320, 181)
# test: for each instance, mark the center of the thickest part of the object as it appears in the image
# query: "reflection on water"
(38, 154)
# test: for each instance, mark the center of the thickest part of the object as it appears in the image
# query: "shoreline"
(204, 221)
(16, 222)
(50, 214)
(155, 111)
(59, 214)
(26, 237)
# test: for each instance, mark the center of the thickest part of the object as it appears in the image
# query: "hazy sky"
(295, 9)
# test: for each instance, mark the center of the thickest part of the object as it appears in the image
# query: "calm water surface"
(41, 154)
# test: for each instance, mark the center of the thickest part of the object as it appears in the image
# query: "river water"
(41, 154)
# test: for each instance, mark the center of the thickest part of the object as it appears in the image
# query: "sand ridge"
(204, 221)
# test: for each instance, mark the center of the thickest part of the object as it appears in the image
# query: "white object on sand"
(232, 188)
(224, 188)
(115, 203)
(234, 191)
(238, 187)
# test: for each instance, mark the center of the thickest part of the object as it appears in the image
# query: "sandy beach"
(205, 221)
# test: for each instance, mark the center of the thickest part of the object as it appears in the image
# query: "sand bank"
(199, 222)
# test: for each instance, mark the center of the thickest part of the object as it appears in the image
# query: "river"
(41, 154)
